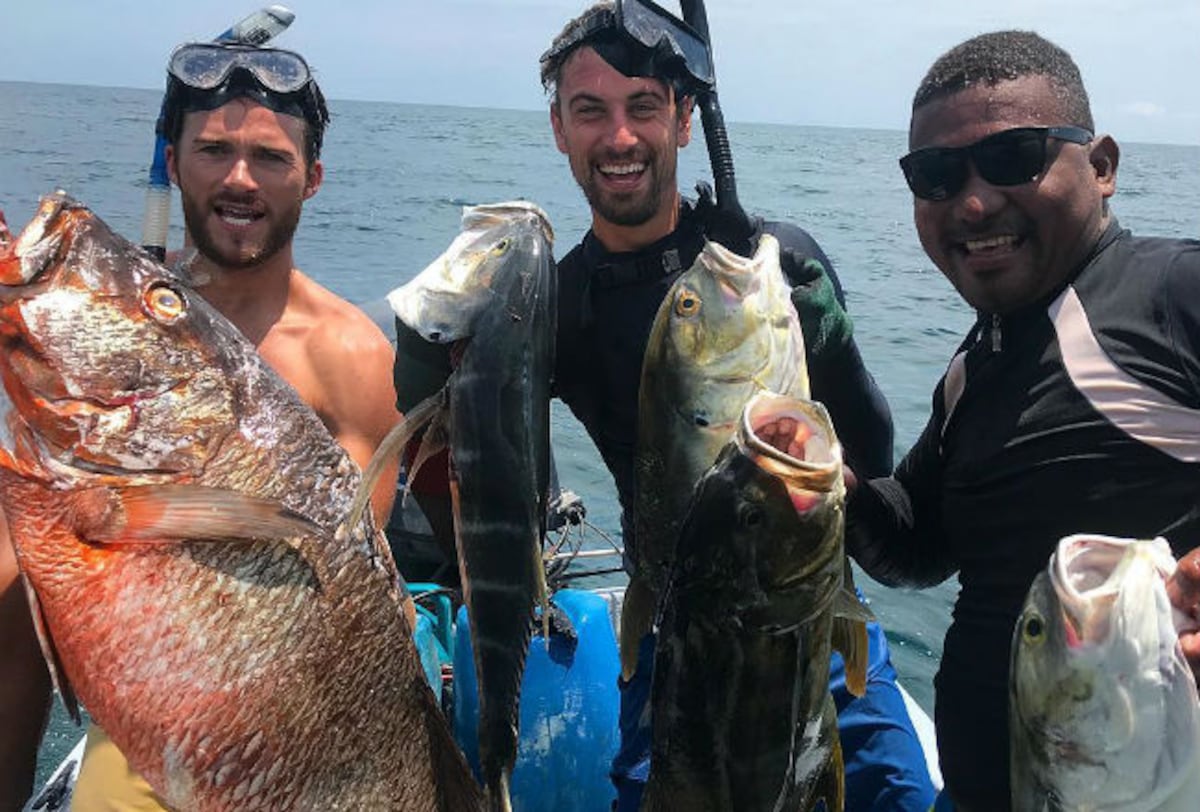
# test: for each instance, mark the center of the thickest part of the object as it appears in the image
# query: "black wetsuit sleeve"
(836, 371)
(421, 367)
(893, 524)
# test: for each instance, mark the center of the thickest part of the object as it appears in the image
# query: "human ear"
(556, 123)
(1104, 157)
(313, 178)
(172, 169)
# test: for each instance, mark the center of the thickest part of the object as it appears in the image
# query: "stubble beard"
(633, 208)
(249, 255)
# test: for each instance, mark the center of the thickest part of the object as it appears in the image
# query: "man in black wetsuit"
(1073, 404)
(620, 117)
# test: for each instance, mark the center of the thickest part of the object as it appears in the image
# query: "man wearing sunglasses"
(245, 127)
(621, 108)
(1073, 405)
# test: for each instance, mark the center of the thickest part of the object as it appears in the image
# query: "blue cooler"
(569, 711)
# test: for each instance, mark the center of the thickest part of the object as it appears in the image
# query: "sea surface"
(397, 176)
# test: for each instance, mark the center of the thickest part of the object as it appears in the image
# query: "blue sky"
(783, 61)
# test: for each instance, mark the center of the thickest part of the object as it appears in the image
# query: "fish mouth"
(1088, 572)
(792, 439)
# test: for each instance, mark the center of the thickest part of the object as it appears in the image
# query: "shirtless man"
(245, 127)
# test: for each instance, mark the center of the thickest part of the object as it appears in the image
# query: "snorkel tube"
(733, 228)
(255, 29)
(684, 47)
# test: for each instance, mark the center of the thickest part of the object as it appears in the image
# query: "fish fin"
(637, 620)
(499, 798)
(391, 447)
(434, 441)
(50, 654)
(457, 789)
(170, 513)
(850, 619)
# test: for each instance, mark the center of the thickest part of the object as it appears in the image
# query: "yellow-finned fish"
(743, 720)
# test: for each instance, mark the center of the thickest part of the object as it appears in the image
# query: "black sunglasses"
(1007, 158)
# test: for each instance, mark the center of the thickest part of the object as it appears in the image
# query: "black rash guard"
(607, 305)
(1078, 415)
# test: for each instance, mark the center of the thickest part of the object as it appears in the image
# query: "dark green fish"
(742, 715)
(493, 291)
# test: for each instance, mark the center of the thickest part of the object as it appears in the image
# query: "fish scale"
(242, 646)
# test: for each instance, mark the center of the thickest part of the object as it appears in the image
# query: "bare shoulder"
(341, 339)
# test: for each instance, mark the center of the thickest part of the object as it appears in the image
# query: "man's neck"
(251, 298)
(618, 239)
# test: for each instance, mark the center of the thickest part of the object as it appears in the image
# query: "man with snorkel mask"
(245, 126)
(621, 106)
(620, 110)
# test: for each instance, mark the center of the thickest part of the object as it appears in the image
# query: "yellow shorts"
(107, 784)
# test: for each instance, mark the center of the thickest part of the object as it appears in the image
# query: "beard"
(631, 208)
(244, 253)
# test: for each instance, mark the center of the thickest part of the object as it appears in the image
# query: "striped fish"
(492, 294)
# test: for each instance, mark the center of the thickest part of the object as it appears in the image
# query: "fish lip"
(816, 473)
(1086, 573)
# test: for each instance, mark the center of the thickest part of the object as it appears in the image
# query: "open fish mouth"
(792, 439)
(1087, 572)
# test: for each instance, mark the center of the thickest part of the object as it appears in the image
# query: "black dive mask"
(642, 39)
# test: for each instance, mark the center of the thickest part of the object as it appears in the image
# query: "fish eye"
(1033, 628)
(687, 303)
(749, 516)
(502, 246)
(163, 302)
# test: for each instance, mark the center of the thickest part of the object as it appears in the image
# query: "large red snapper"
(178, 516)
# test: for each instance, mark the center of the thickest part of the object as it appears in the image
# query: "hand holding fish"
(1183, 588)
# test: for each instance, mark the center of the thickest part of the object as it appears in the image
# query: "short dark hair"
(181, 99)
(1003, 56)
(597, 17)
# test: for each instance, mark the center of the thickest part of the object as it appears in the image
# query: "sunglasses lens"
(1012, 157)
(935, 174)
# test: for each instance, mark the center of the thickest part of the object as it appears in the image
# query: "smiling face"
(621, 135)
(1006, 247)
(243, 179)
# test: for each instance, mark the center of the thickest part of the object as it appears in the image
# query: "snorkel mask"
(207, 75)
(637, 39)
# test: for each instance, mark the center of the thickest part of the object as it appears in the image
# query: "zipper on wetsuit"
(995, 332)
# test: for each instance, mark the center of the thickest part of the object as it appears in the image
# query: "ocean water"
(396, 177)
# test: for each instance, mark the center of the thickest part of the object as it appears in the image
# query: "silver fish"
(1103, 708)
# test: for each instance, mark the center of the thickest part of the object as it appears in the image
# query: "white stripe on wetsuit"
(1139, 410)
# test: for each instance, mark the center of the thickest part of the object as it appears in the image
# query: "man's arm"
(24, 685)
(837, 373)
(893, 524)
(354, 363)
(420, 370)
